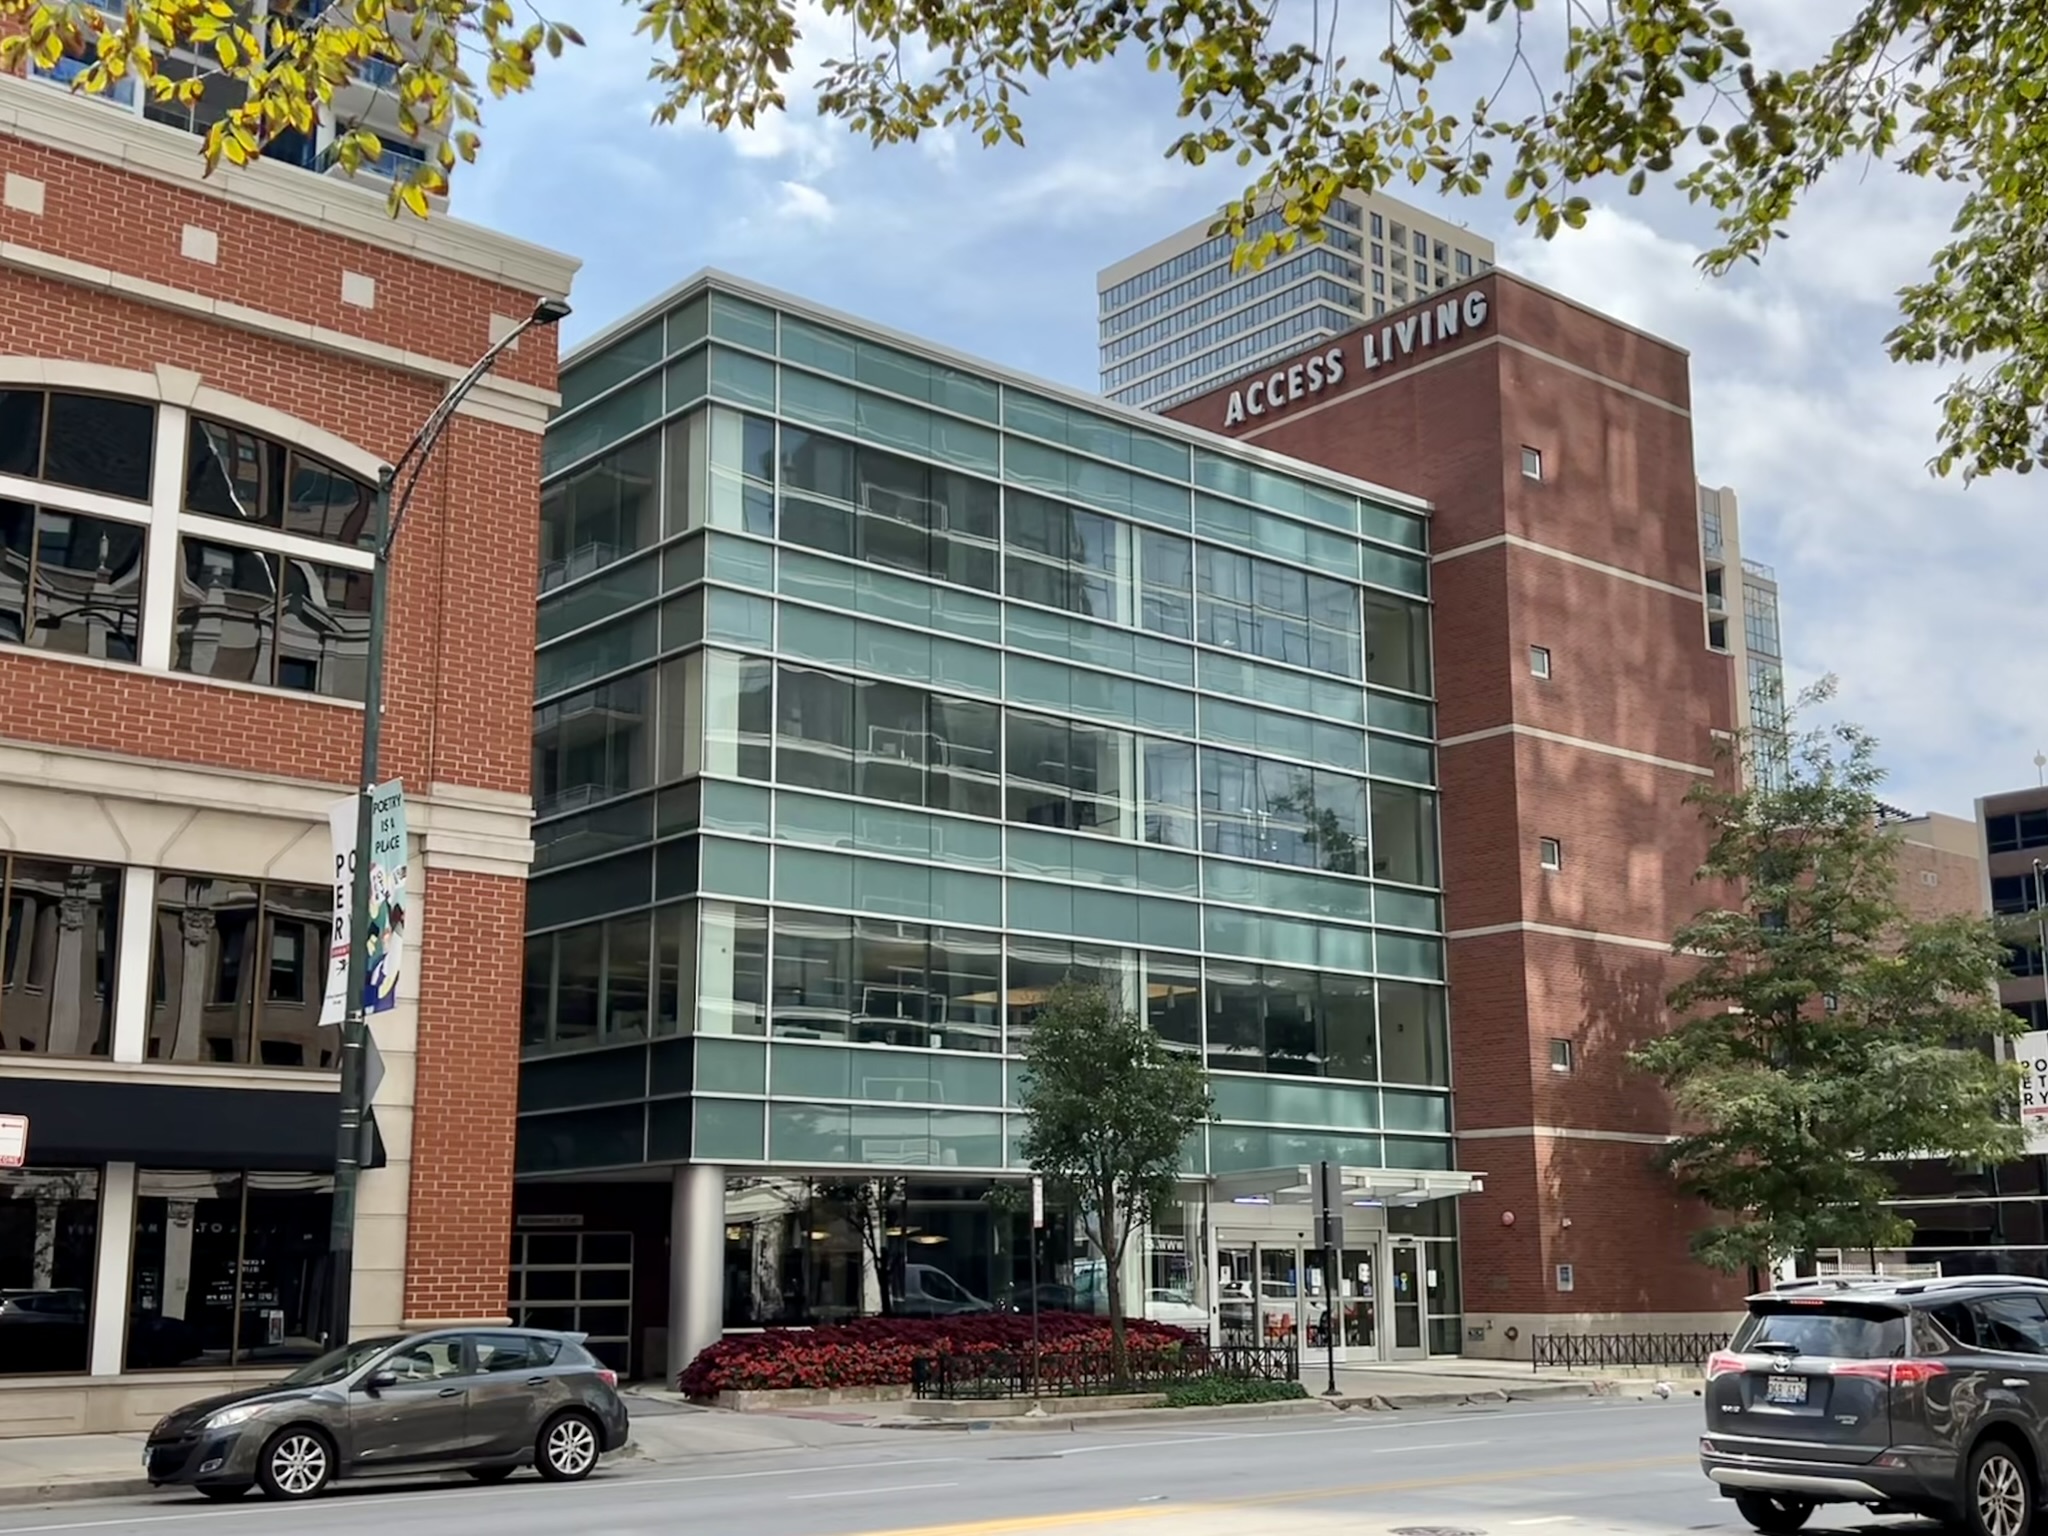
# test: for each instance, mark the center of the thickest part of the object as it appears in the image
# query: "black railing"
(1088, 1373)
(1595, 1351)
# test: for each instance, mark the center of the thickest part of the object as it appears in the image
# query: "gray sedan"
(482, 1401)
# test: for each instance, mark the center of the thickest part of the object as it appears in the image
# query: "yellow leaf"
(414, 198)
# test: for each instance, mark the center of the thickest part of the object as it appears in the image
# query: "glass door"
(1404, 1286)
(1357, 1320)
(1237, 1290)
(1280, 1296)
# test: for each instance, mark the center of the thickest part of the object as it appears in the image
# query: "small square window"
(1400, 264)
(1400, 293)
(1421, 243)
(1379, 228)
(1379, 282)
(1539, 660)
(1439, 252)
(1717, 634)
(1551, 852)
(1399, 235)
(1464, 263)
(1532, 464)
(1560, 1055)
(1379, 255)
(1379, 307)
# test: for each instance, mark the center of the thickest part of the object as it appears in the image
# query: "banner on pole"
(2031, 1051)
(384, 961)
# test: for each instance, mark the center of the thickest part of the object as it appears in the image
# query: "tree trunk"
(1112, 1279)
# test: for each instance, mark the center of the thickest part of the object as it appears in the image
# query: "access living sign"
(385, 960)
(1421, 328)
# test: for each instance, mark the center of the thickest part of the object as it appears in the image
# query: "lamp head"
(550, 311)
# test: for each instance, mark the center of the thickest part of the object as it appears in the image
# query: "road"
(1542, 1469)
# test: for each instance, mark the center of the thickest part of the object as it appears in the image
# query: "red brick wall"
(458, 686)
(1606, 407)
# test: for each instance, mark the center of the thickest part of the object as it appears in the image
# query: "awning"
(88, 1121)
(1373, 1186)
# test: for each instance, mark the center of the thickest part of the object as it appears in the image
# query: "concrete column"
(134, 989)
(696, 1262)
(111, 1265)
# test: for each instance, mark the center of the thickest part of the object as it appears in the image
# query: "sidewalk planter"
(876, 1352)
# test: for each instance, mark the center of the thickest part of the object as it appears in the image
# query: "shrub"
(1221, 1391)
(879, 1351)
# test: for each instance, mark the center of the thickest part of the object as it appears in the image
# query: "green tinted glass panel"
(966, 1080)
(803, 1133)
(1405, 909)
(734, 807)
(892, 890)
(682, 564)
(816, 347)
(687, 325)
(813, 879)
(1255, 885)
(961, 1140)
(742, 619)
(810, 1071)
(1418, 1112)
(598, 426)
(743, 562)
(748, 380)
(614, 365)
(731, 1066)
(726, 1130)
(815, 636)
(1169, 924)
(591, 601)
(822, 402)
(743, 322)
(1408, 1152)
(1409, 760)
(1404, 573)
(814, 819)
(687, 380)
(1395, 527)
(964, 393)
(594, 654)
(959, 897)
(1402, 954)
(1284, 1103)
(1397, 714)
(734, 869)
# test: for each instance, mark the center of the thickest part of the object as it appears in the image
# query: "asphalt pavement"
(1541, 1469)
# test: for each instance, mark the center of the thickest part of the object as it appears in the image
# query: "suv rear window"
(1835, 1332)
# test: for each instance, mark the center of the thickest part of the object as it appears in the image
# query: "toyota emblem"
(1780, 1364)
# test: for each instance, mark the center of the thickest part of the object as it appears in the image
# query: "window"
(1379, 255)
(1290, 1023)
(1378, 226)
(1550, 853)
(1560, 1055)
(49, 1236)
(1379, 282)
(1421, 244)
(1166, 568)
(1404, 844)
(1717, 634)
(1379, 307)
(1036, 966)
(591, 984)
(1400, 264)
(1282, 813)
(248, 616)
(885, 741)
(1399, 235)
(1066, 558)
(2014, 1325)
(2014, 895)
(849, 499)
(224, 1266)
(593, 746)
(233, 474)
(1414, 1048)
(87, 442)
(2016, 830)
(70, 583)
(238, 972)
(1532, 464)
(1464, 263)
(1262, 608)
(57, 959)
(1173, 1000)
(1396, 644)
(1539, 660)
(601, 513)
(1439, 252)
(1400, 292)
(732, 969)
(813, 996)
(1069, 775)
(503, 1353)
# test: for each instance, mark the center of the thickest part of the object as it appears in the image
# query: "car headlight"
(228, 1418)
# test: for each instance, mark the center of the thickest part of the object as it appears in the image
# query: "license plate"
(1789, 1391)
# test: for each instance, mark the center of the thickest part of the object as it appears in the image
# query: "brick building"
(199, 379)
(1580, 697)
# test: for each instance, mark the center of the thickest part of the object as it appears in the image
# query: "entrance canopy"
(1362, 1186)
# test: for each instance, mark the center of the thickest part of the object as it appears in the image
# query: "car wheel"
(1998, 1498)
(568, 1448)
(491, 1474)
(296, 1464)
(1773, 1513)
(220, 1494)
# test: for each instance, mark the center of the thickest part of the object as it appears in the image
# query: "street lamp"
(395, 486)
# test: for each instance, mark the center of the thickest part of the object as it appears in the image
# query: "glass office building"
(878, 691)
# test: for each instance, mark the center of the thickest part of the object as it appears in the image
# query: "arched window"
(142, 533)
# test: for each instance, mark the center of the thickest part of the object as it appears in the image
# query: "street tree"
(1826, 1034)
(1573, 97)
(1111, 1109)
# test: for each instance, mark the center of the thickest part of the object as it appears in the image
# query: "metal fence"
(1089, 1373)
(1596, 1351)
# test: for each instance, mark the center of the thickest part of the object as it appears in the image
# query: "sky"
(1918, 594)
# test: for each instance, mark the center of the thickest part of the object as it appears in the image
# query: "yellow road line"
(1180, 1510)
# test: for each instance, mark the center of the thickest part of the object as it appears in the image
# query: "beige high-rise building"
(1742, 620)
(1178, 317)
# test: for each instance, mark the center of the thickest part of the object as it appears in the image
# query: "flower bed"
(879, 1351)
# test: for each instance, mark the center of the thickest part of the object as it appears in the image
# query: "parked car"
(482, 1401)
(1925, 1397)
(929, 1291)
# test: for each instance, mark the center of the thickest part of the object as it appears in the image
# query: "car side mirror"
(379, 1380)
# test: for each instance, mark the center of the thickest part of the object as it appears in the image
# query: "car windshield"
(339, 1363)
(1836, 1331)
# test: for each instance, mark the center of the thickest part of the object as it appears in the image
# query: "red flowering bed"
(878, 1351)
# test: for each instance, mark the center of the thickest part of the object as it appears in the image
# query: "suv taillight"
(1723, 1363)
(609, 1377)
(1894, 1373)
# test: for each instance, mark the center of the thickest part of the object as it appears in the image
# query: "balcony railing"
(390, 165)
(1760, 571)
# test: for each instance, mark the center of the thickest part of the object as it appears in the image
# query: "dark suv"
(1910, 1396)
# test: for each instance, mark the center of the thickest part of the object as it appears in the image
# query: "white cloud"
(806, 205)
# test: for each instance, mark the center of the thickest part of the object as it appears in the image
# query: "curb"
(66, 1493)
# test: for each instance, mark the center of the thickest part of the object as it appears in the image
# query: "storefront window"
(49, 1229)
(57, 957)
(227, 1268)
(239, 970)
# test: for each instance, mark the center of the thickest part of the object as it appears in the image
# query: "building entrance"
(1274, 1291)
